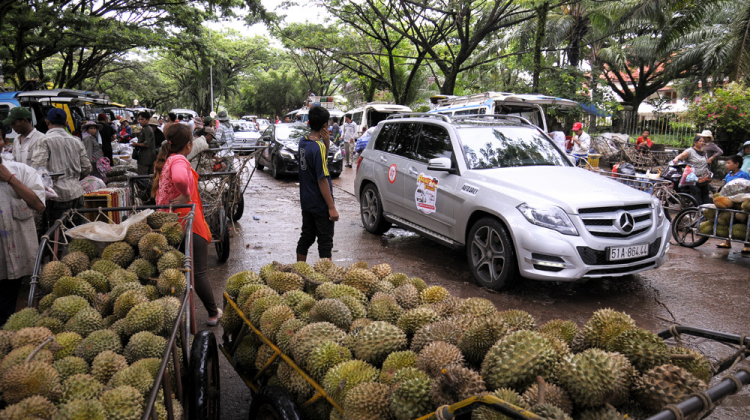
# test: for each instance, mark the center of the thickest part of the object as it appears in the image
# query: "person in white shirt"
(581, 143)
(558, 136)
(19, 119)
(349, 134)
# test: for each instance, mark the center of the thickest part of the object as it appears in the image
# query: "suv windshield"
(291, 132)
(504, 147)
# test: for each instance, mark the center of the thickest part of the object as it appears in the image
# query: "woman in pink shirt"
(175, 182)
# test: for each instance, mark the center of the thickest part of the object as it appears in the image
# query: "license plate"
(628, 252)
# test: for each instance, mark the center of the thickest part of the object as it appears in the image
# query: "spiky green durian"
(333, 311)
(31, 336)
(417, 282)
(286, 333)
(171, 282)
(384, 308)
(106, 364)
(152, 246)
(604, 326)
(122, 403)
(456, 383)
(518, 320)
(84, 322)
(272, 319)
(27, 379)
(71, 286)
(238, 280)
(699, 366)
(96, 279)
(294, 383)
(283, 282)
(362, 280)
(86, 246)
(549, 412)
(603, 413)
(411, 398)
(69, 366)
(594, 377)
(35, 407)
(553, 394)
(644, 349)
(247, 290)
(97, 342)
(480, 335)
(262, 358)
(65, 307)
(664, 385)
(266, 270)
(67, 341)
(81, 386)
(564, 330)
(77, 262)
(174, 232)
(119, 253)
(414, 319)
(135, 232)
(143, 269)
(311, 335)
(51, 272)
(397, 279)
(246, 352)
(260, 306)
(368, 401)
(324, 356)
(122, 288)
(127, 301)
(121, 276)
(81, 410)
(53, 324)
(171, 259)
(395, 362)
(382, 270)
(335, 274)
(506, 394)
(137, 376)
(19, 355)
(333, 291)
(343, 377)
(151, 292)
(448, 331)
(527, 353)
(356, 308)
(157, 219)
(144, 345)
(379, 339)
(147, 316)
(46, 302)
(406, 296)
(437, 355)
(105, 267)
(433, 294)
(323, 265)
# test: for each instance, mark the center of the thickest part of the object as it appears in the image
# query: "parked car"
(499, 188)
(246, 134)
(282, 150)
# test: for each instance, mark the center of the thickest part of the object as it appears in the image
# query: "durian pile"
(723, 219)
(385, 345)
(98, 336)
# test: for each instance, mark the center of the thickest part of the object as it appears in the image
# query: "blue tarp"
(593, 110)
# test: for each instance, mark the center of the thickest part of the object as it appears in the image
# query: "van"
(371, 113)
(528, 106)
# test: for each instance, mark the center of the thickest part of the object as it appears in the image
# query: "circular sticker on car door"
(392, 171)
(426, 194)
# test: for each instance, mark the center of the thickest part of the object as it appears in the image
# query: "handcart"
(196, 372)
(273, 402)
(672, 201)
(214, 188)
(686, 228)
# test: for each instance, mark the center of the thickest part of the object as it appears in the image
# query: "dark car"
(281, 152)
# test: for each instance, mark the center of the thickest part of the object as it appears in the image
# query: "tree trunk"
(594, 81)
(541, 26)
(449, 84)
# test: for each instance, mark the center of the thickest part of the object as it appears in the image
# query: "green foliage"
(726, 112)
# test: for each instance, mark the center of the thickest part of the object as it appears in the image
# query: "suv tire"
(371, 211)
(489, 251)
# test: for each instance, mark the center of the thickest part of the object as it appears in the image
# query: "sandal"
(723, 245)
(212, 322)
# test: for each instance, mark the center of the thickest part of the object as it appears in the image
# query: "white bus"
(371, 113)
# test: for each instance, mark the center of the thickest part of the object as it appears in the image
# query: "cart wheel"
(675, 203)
(204, 390)
(685, 228)
(222, 247)
(238, 209)
(273, 403)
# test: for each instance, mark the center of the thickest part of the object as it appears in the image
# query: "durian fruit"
(362, 280)
(122, 403)
(46, 302)
(433, 294)
(406, 296)
(119, 253)
(302, 268)
(35, 407)
(517, 359)
(96, 279)
(564, 330)
(157, 219)
(397, 279)
(70, 366)
(97, 342)
(65, 307)
(272, 318)
(722, 231)
(135, 232)
(246, 353)
(170, 309)
(152, 246)
(644, 349)
(382, 270)
(408, 373)
(124, 287)
(19, 355)
(437, 355)
(81, 410)
(51, 272)
(32, 336)
(297, 300)
(171, 259)
(324, 356)
(127, 301)
(475, 307)
(286, 333)
(506, 394)
(594, 378)
(664, 385)
(446, 308)
(247, 290)
(335, 274)
(105, 267)
(85, 246)
(456, 383)
(368, 401)
(333, 291)
(395, 362)
(238, 280)
(604, 326)
(283, 282)
(377, 340)
(27, 379)
(122, 276)
(739, 231)
(323, 265)
(356, 309)
(383, 286)
(333, 311)
(311, 335)
(103, 305)
(699, 366)
(174, 233)
(84, 322)
(106, 364)
(148, 316)
(260, 306)
(294, 383)
(603, 413)
(447, 331)
(171, 282)
(53, 324)
(549, 412)
(411, 398)
(230, 322)
(417, 282)
(144, 345)
(358, 265)
(578, 344)
(67, 341)
(706, 228)
(384, 308)
(143, 269)
(25, 318)
(266, 270)
(71, 286)
(414, 319)
(5, 342)
(480, 336)
(553, 395)
(136, 376)
(262, 293)
(262, 357)
(81, 387)
(725, 218)
(343, 377)
(76, 261)
(518, 320)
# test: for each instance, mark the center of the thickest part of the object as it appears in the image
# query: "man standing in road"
(349, 134)
(225, 137)
(147, 143)
(60, 152)
(19, 119)
(315, 188)
(581, 142)
(108, 134)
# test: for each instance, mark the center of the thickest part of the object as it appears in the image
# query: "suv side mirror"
(441, 164)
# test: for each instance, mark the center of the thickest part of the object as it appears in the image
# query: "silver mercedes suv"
(498, 187)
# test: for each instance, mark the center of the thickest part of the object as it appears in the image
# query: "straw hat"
(88, 124)
(153, 121)
(706, 133)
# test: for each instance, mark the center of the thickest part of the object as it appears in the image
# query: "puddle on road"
(397, 236)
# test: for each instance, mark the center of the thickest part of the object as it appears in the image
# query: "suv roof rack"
(420, 114)
(495, 116)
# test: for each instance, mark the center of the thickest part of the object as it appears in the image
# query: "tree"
(274, 92)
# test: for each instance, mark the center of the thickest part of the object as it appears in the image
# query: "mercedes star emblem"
(627, 223)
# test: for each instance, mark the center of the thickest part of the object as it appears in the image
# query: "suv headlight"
(550, 217)
(659, 209)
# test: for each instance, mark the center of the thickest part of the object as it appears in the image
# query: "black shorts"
(316, 226)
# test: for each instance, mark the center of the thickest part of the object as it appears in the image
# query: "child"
(90, 137)
(745, 154)
(733, 168)
(315, 188)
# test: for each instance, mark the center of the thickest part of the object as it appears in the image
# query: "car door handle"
(383, 159)
(413, 171)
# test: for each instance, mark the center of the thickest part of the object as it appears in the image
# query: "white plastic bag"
(106, 232)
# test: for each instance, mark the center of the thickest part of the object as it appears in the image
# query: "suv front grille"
(604, 221)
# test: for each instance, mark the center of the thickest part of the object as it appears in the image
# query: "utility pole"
(212, 87)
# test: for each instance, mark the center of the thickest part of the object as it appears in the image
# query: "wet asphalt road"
(705, 287)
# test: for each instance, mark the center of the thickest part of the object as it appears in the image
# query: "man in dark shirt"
(108, 134)
(315, 188)
(147, 143)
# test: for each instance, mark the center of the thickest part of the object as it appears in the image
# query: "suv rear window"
(403, 143)
(434, 142)
(503, 147)
(385, 136)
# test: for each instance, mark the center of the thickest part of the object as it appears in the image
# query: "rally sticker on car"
(470, 189)
(392, 173)
(426, 194)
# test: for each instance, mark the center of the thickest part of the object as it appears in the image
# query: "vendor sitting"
(733, 172)
(581, 143)
(644, 143)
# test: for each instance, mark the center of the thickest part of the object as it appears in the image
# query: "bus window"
(357, 117)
